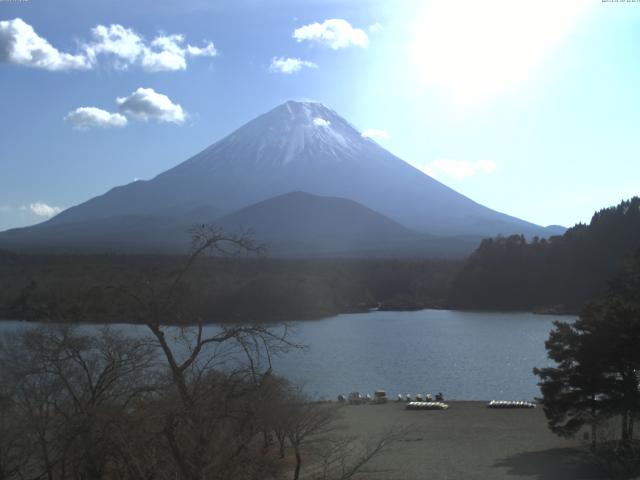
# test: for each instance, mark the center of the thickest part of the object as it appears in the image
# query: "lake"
(465, 355)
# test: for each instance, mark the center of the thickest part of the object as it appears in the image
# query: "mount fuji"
(296, 147)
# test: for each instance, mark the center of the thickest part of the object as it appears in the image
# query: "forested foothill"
(556, 275)
(89, 288)
(560, 274)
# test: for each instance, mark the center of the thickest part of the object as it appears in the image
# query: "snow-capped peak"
(293, 133)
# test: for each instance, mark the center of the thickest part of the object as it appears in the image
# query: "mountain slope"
(296, 224)
(157, 232)
(300, 224)
(304, 146)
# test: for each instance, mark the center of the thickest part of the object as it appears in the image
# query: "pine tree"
(597, 375)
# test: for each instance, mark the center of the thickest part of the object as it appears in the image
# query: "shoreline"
(298, 319)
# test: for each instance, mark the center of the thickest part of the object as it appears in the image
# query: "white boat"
(510, 404)
(427, 406)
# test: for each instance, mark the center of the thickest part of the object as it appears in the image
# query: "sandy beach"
(469, 441)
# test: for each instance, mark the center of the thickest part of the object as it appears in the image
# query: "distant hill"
(561, 273)
(297, 146)
(158, 232)
(293, 225)
(300, 224)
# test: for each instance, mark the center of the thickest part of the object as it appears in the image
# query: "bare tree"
(69, 392)
(308, 421)
(186, 401)
(11, 451)
(214, 371)
(273, 410)
(345, 457)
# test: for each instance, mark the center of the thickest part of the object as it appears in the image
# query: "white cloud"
(163, 61)
(126, 48)
(21, 45)
(375, 28)
(321, 122)
(459, 169)
(121, 46)
(120, 42)
(207, 51)
(143, 105)
(336, 33)
(146, 104)
(86, 117)
(475, 51)
(289, 65)
(375, 133)
(43, 210)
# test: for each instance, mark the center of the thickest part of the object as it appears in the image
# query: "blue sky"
(531, 108)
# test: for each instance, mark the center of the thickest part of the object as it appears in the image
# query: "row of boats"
(427, 406)
(356, 398)
(510, 404)
(420, 405)
(380, 396)
(423, 402)
(420, 398)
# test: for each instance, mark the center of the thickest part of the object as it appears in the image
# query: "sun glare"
(474, 51)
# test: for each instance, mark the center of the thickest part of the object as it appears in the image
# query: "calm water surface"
(465, 355)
